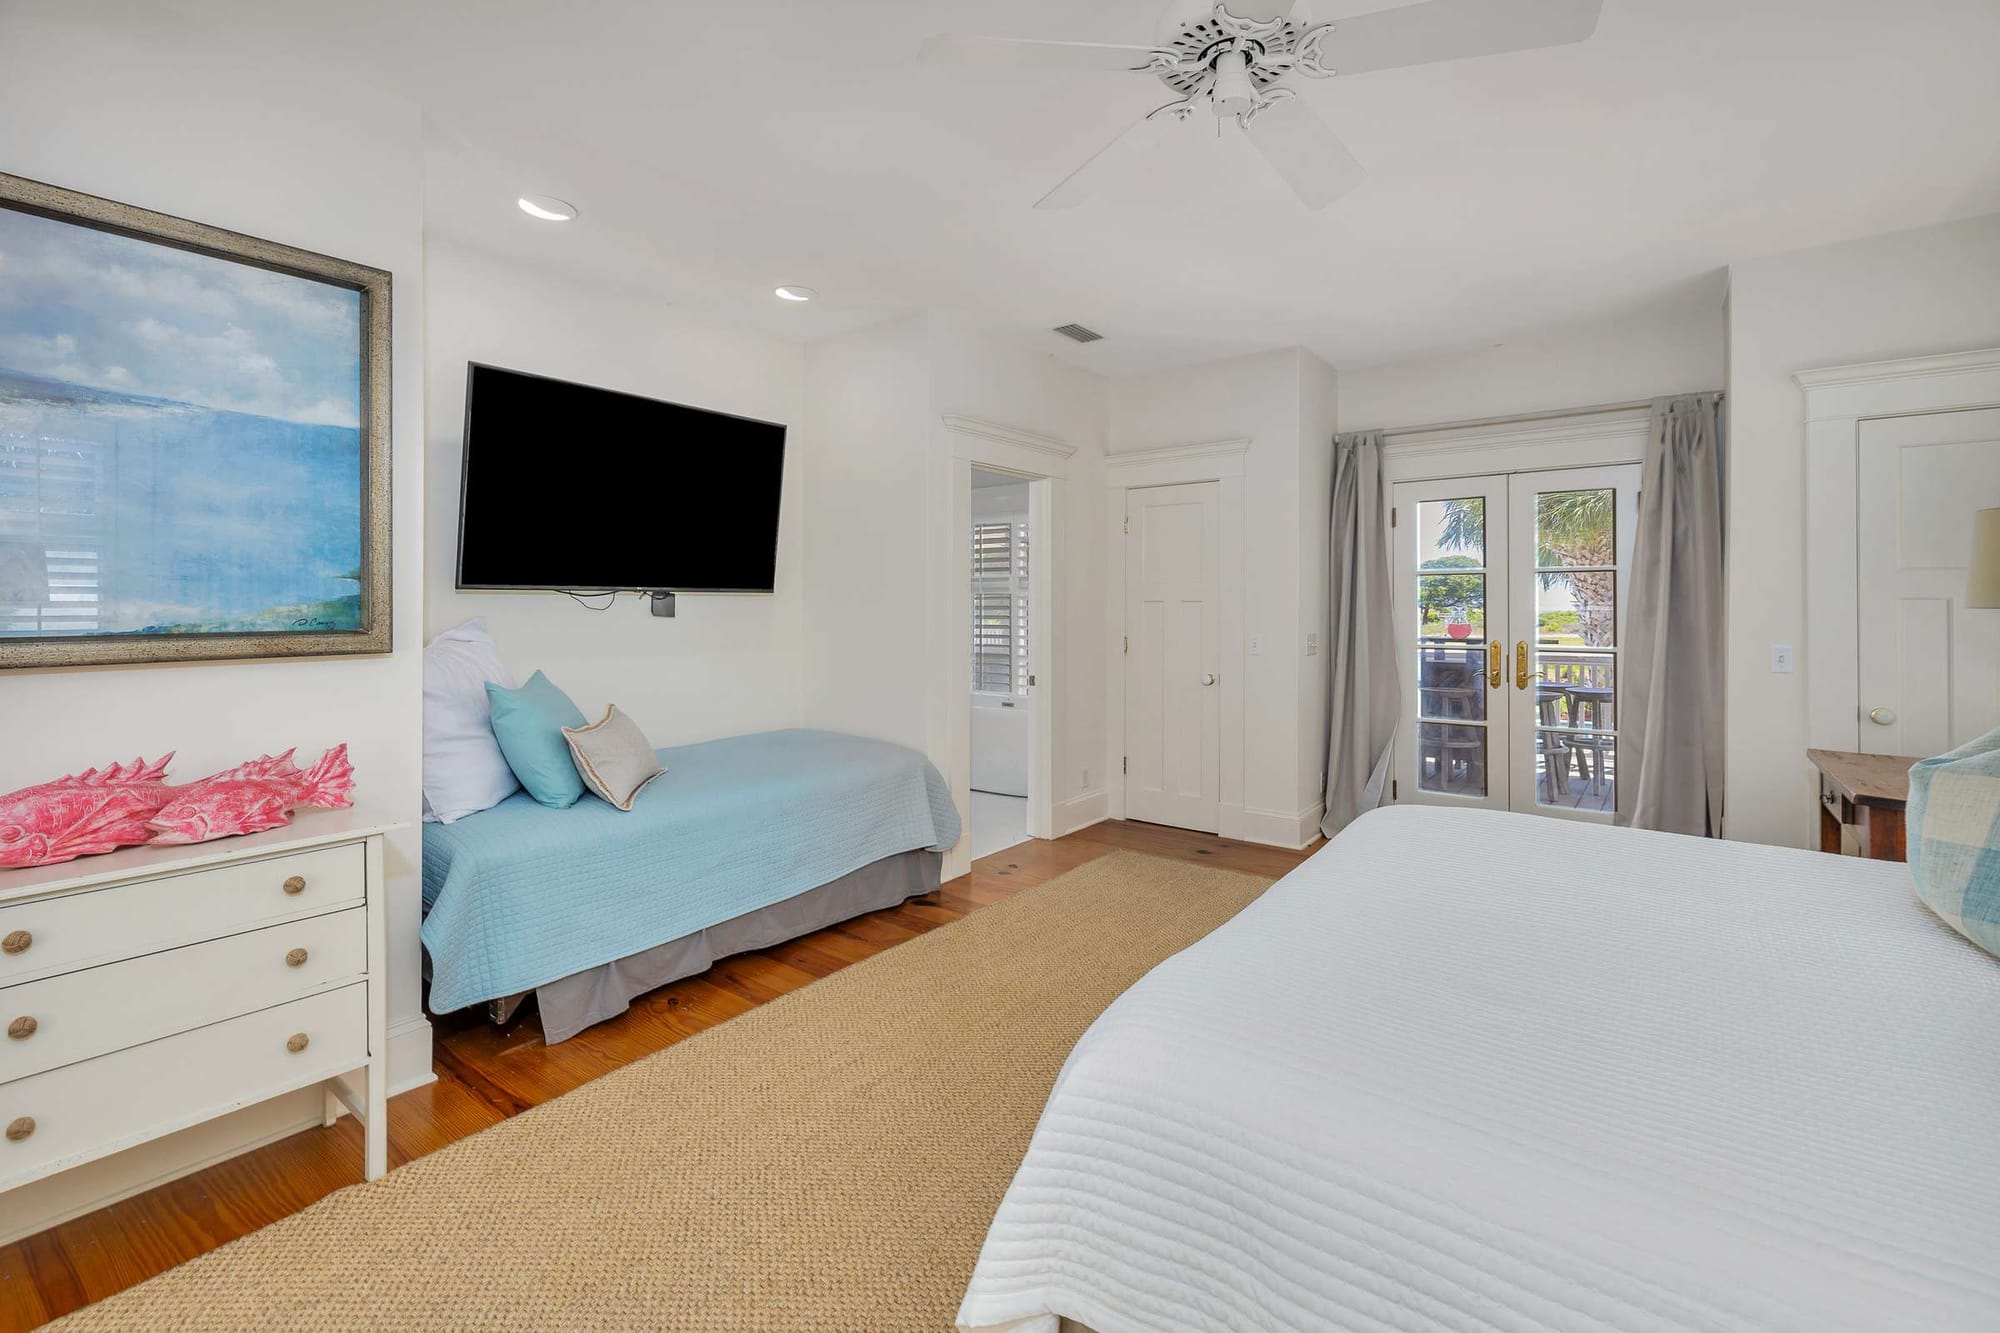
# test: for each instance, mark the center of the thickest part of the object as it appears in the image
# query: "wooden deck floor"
(487, 1074)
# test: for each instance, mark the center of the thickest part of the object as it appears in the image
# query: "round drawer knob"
(17, 941)
(20, 1129)
(295, 885)
(22, 1028)
(297, 1042)
(296, 958)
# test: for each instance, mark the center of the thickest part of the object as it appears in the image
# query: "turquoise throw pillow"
(529, 723)
(1954, 838)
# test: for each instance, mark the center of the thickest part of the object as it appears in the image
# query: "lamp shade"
(1982, 581)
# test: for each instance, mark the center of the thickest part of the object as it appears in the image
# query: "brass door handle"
(1496, 665)
(1520, 664)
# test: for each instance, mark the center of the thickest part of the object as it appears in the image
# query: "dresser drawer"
(62, 1019)
(62, 934)
(57, 1119)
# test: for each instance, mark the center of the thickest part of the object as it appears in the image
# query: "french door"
(1510, 618)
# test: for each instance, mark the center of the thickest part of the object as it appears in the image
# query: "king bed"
(741, 843)
(1466, 1070)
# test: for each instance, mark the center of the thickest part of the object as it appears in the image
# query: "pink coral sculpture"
(252, 797)
(80, 815)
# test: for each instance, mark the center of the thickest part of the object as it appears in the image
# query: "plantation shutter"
(1000, 608)
(54, 497)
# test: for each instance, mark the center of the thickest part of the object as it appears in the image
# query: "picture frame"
(203, 419)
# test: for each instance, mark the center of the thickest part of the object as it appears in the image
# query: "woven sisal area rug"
(828, 1161)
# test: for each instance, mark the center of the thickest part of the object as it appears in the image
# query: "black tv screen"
(577, 489)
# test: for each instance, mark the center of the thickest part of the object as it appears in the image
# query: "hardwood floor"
(486, 1074)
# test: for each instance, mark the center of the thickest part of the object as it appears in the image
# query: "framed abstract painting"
(194, 440)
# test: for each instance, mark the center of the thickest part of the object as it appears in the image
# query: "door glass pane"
(1451, 760)
(1451, 616)
(1576, 641)
(1576, 770)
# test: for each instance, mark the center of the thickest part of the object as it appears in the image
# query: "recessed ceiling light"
(792, 292)
(546, 207)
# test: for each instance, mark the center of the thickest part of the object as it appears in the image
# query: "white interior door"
(1450, 563)
(1173, 600)
(1927, 667)
(1510, 609)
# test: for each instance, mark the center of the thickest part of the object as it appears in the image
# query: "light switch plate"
(1312, 645)
(1781, 659)
(1256, 645)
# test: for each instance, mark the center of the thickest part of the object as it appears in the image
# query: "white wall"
(1319, 421)
(1936, 289)
(864, 467)
(724, 665)
(1260, 398)
(1673, 345)
(104, 108)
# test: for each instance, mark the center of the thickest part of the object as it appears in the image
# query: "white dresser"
(150, 989)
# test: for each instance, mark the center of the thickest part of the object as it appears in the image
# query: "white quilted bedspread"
(1477, 1071)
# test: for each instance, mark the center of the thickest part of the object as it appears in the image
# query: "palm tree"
(1574, 531)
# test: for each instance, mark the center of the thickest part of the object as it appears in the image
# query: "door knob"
(1882, 717)
(1208, 678)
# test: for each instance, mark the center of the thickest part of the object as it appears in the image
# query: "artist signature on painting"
(312, 622)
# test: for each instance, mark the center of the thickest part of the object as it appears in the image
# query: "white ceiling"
(718, 148)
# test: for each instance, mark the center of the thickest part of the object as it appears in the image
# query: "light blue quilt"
(521, 894)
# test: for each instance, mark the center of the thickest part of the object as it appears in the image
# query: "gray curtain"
(1366, 694)
(1670, 734)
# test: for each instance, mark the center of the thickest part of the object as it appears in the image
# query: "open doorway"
(1000, 658)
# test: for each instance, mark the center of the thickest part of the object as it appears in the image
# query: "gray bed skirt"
(577, 1001)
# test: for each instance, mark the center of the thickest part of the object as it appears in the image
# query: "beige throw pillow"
(614, 757)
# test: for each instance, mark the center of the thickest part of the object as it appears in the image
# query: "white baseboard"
(1093, 807)
(1292, 830)
(410, 1053)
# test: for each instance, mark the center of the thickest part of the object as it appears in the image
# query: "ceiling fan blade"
(1298, 144)
(1081, 183)
(1009, 53)
(1260, 10)
(1438, 30)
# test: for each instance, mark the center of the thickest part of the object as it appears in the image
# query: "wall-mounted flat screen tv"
(576, 489)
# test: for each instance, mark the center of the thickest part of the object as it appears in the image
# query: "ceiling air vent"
(1076, 333)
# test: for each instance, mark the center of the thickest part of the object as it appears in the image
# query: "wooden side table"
(1864, 792)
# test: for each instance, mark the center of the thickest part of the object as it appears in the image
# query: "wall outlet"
(1086, 779)
(1256, 645)
(1312, 645)
(1781, 659)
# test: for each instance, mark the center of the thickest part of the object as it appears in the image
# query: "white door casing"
(1926, 667)
(1044, 461)
(1173, 601)
(1840, 401)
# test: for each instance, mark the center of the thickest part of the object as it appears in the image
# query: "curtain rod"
(1524, 418)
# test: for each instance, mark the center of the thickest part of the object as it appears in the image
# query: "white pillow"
(464, 771)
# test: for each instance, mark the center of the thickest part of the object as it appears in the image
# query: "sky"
(95, 308)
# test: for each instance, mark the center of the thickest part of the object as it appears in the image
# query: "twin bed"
(740, 844)
(1476, 1071)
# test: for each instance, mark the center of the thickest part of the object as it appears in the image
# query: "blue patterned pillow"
(1954, 838)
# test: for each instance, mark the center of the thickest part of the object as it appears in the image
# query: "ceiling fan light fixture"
(791, 291)
(546, 207)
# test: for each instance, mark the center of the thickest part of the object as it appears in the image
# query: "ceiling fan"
(1235, 56)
